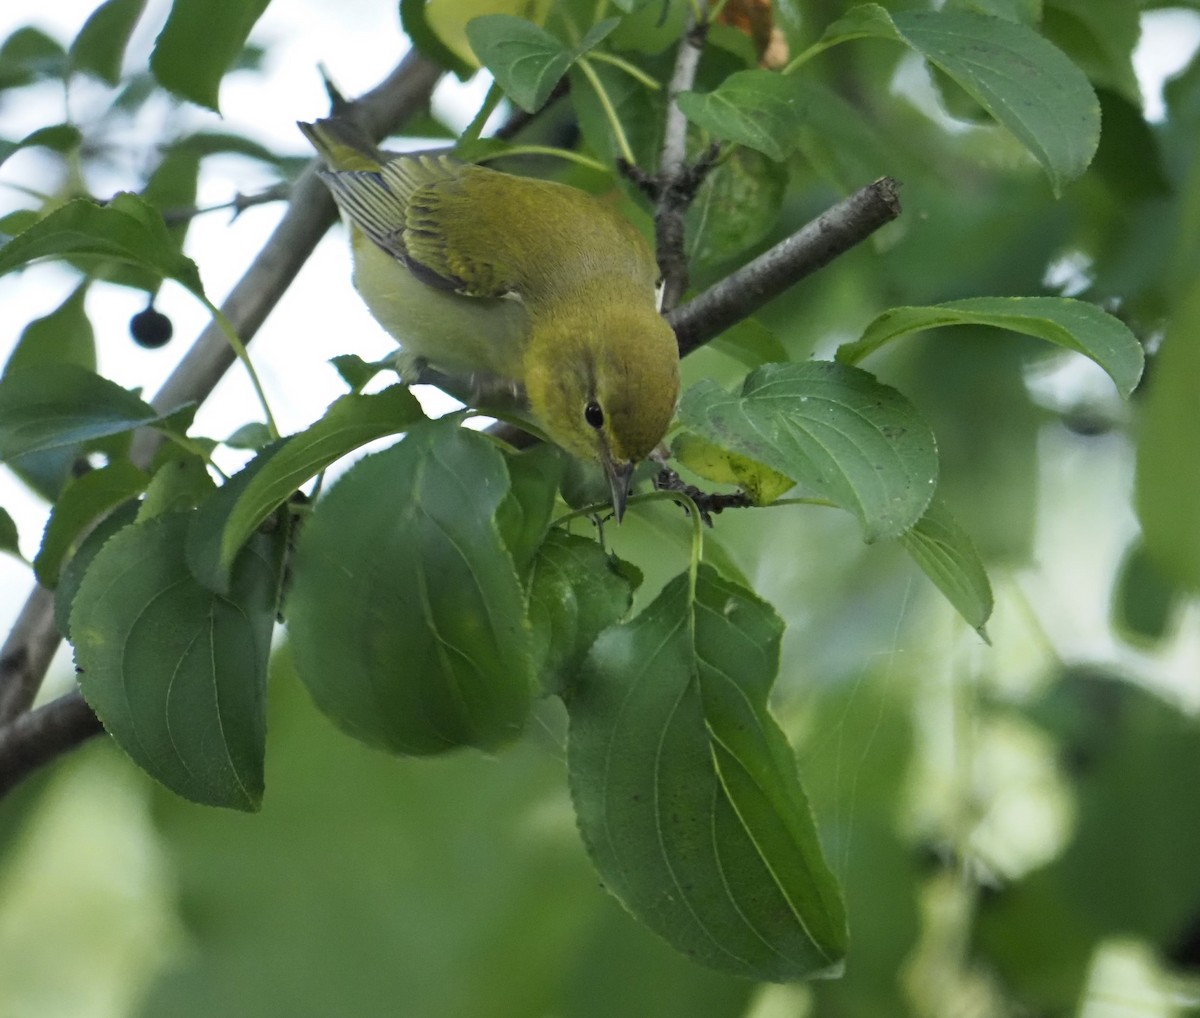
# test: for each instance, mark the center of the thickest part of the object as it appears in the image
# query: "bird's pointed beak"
(619, 476)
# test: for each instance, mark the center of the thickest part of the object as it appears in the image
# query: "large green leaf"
(737, 205)
(56, 137)
(100, 45)
(200, 42)
(686, 790)
(125, 230)
(526, 60)
(1074, 324)
(225, 523)
(177, 673)
(50, 406)
(1022, 80)
(762, 110)
(29, 55)
(833, 429)
(406, 618)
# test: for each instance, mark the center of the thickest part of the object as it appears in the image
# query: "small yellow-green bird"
(526, 284)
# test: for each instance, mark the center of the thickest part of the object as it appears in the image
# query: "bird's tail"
(342, 144)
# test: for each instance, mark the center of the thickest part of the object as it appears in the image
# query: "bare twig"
(31, 644)
(238, 204)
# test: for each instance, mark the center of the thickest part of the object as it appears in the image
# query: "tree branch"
(27, 652)
(675, 186)
(740, 294)
(39, 736)
(31, 644)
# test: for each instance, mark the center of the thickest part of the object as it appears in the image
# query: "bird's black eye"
(594, 415)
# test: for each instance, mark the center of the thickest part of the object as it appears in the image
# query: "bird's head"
(604, 385)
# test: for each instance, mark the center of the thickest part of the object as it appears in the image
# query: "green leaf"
(75, 570)
(1167, 492)
(761, 109)
(224, 524)
(835, 430)
(253, 436)
(686, 790)
(600, 31)
(721, 466)
(50, 406)
(524, 516)
(82, 502)
(126, 230)
(29, 55)
(176, 673)
(57, 137)
(1075, 324)
(181, 482)
(945, 553)
(9, 541)
(1022, 80)
(425, 646)
(576, 591)
(1024, 12)
(750, 343)
(200, 42)
(1100, 37)
(1144, 601)
(526, 60)
(17, 222)
(416, 26)
(99, 48)
(356, 372)
(62, 337)
(737, 206)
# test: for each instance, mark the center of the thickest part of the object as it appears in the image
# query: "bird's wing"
(403, 209)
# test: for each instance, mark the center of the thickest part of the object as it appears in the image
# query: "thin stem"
(239, 349)
(548, 150)
(622, 64)
(239, 203)
(801, 501)
(614, 121)
(490, 102)
(697, 518)
(820, 46)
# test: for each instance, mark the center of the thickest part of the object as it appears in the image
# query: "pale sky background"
(320, 316)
